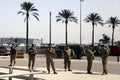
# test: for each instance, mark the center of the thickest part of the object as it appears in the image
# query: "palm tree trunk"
(113, 35)
(66, 32)
(27, 29)
(93, 33)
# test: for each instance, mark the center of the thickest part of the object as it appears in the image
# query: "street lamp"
(81, 21)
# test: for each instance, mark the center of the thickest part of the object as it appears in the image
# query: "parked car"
(97, 50)
(4, 50)
(42, 49)
(79, 51)
(114, 50)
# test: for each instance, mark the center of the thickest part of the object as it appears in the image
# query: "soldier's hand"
(94, 51)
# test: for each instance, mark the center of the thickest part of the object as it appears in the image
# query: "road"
(113, 65)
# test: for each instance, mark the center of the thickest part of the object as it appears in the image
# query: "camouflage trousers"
(67, 63)
(50, 62)
(89, 65)
(104, 63)
(12, 59)
(31, 61)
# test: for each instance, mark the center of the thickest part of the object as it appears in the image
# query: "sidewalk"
(62, 75)
(4, 57)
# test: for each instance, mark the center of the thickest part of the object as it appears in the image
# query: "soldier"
(50, 52)
(32, 52)
(12, 55)
(90, 56)
(104, 51)
(67, 57)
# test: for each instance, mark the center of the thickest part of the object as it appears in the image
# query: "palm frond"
(66, 14)
(36, 16)
(36, 13)
(114, 21)
(94, 18)
(27, 8)
(25, 19)
(101, 23)
(59, 17)
(73, 19)
(21, 12)
(63, 21)
(82, 0)
(33, 9)
(58, 20)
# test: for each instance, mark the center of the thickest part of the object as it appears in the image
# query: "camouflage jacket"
(32, 51)
(12, 51)
(90, 54)
(104, 52)
(50, 53)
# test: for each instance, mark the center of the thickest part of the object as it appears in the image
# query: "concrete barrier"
(20, 55)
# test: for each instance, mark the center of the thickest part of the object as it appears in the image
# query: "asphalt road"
(113, 65)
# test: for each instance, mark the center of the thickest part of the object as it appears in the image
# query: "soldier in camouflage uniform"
(50, 53)
(104, 51)
(67, 57)
(12, 55)
(90, 56)
(31, 52)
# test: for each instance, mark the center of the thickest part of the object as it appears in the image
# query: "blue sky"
(12, 24)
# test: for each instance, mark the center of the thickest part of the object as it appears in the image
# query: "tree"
(105, 39)
(95, 18)
(117, 43)
(113, 21)
(65, 16)
(28, 8)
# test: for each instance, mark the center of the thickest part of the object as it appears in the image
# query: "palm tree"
(113, 21)
(95, 18)
(66, 16)
(105, 39)
(28, 8)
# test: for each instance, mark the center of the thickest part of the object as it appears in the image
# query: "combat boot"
(55, 72)
(69, 70)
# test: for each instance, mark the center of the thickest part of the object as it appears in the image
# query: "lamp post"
(81, 21)
(50, 29)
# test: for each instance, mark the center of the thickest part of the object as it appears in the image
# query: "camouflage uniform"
(90, 57)
(67, 58)
(104, 55)
(32, 52)
(12, 55)
(50, 52)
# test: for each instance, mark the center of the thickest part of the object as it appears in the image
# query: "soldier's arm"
(90, 51)
(46, 51)
(73, 53)
(15, 51)
(62, 51)
(100, 52)
(30, 50)
(35, 51)
(53, 51)
(107, 52)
